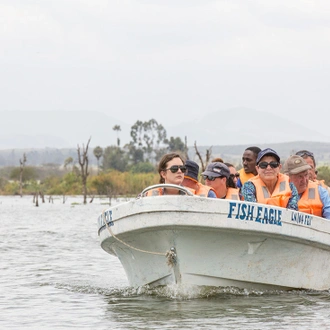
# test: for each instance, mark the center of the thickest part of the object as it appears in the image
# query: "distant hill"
(233, 153)
(66, 129)
(242, 125)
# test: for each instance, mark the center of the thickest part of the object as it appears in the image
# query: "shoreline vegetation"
(109, 185)
(122, 170)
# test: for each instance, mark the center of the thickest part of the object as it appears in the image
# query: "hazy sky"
(171, 60)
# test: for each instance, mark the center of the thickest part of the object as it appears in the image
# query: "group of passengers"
(260, 180)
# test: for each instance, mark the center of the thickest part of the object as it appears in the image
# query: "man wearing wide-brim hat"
(313, 198)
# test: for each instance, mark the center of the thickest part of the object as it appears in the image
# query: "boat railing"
(166, 185)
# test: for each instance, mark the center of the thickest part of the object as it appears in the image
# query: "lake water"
(54, 275)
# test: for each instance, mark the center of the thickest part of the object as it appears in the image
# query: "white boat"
(191, 240)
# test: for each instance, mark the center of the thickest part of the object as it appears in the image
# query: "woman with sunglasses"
(270, 186)
(233, 173)
(171, 170)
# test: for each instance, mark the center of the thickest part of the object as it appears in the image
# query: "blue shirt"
(250, 195)
(211, 194)
(239, 183)
(325, 198)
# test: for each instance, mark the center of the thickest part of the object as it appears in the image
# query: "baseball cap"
(266, 152)
(217, 169)
(193, 170)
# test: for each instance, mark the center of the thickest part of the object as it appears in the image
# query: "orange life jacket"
(310, 201)
(155, 192)
(244, 176)
(203, 190)
(281, 195)
(322, 184)
(160, 192)
(233, 193)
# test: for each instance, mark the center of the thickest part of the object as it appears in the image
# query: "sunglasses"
(210, 178)
(234, 175)
(305, 153)
(175, 168)
(264, 165)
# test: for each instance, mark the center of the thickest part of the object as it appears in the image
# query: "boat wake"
(180, 291)
(187, 292)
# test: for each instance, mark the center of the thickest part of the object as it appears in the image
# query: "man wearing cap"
(270, 186)
(217, 176)
(191, 181)
(310, 160)
(313, 198)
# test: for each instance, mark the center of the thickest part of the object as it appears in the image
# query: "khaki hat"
(295, 164)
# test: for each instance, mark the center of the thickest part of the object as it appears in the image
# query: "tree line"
(121, 170)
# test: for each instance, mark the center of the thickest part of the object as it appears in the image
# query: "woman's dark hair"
(229, 165)
(163, 163)
(230, 183)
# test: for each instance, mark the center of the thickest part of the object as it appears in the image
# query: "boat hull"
(214, 243)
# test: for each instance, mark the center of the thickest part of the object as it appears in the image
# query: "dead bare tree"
(83, 162)
(110, 194)
(207, 156)
(91, 195)
(42, 196)
(36, 200)
(22, 164)
(186, 147)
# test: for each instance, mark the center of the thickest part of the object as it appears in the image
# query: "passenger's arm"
(325, 198)
(293, 201)
(249, 192)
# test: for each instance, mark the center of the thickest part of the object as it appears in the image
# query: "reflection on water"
(55, 275)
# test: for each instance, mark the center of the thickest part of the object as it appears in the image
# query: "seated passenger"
(233, 173)
(310, 160)
(171, 170)
(313, 198)
(249, 170)
(270, 186)
(217, 176)
(191, 181)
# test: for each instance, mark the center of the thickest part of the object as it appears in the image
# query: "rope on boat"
(170, 255)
